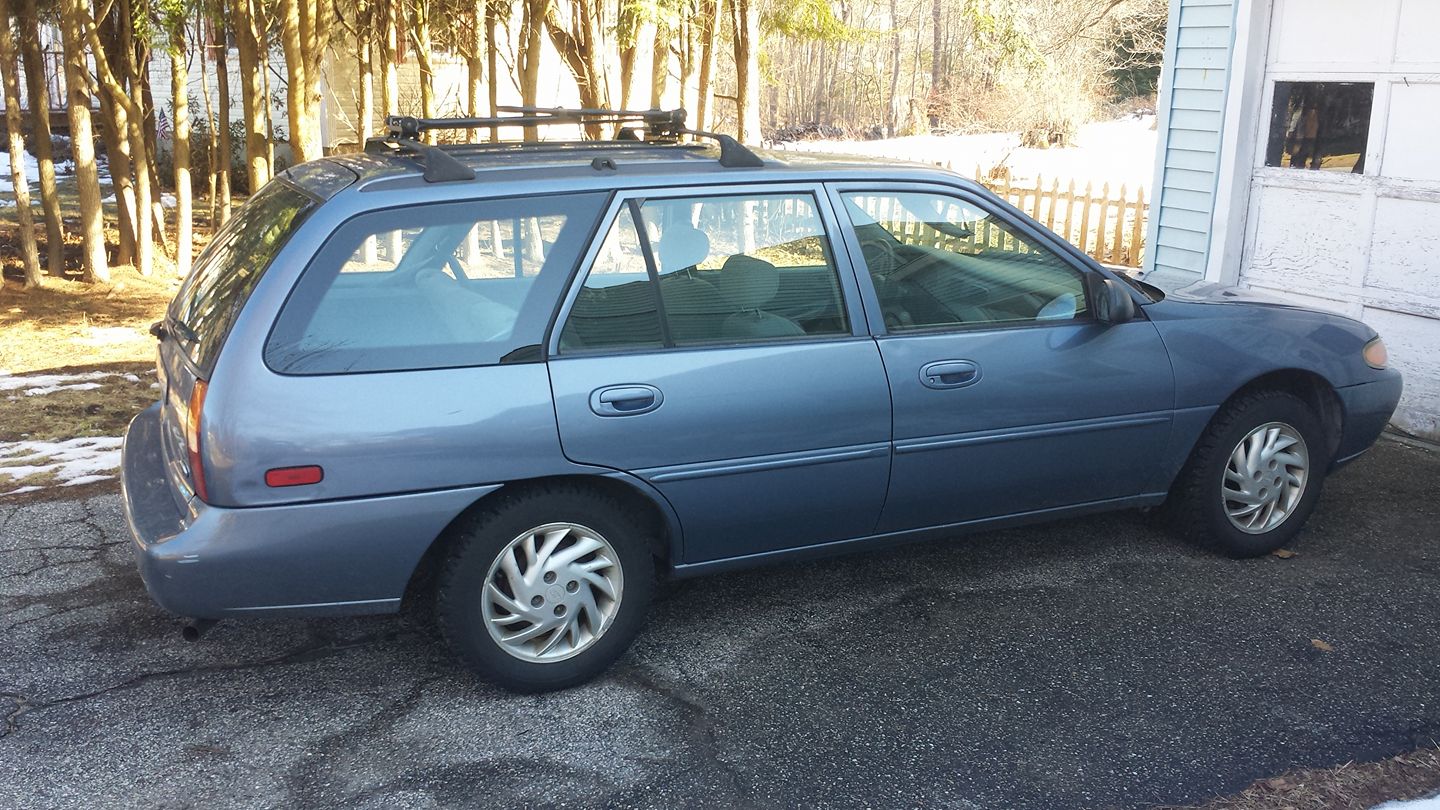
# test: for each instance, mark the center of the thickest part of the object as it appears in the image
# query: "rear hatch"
(203, 312)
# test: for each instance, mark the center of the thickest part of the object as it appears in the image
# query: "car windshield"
(230, 267)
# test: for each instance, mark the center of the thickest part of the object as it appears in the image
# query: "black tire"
(1196, 507)
(478, 541)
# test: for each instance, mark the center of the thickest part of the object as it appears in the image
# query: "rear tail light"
(192, 440)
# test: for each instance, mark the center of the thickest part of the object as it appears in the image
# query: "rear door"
(712, 347)
(1010, 397)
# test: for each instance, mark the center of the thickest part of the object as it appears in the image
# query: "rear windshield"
(229, 268)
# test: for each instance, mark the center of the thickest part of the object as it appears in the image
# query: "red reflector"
(293, 476)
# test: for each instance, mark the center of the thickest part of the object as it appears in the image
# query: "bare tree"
(74, 18)
(305, 34)
(38, 93)
(252, 93)
(745, 20)
(175, 20)
(9, 68)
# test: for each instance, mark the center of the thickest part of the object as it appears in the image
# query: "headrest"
(682, 246)
(748, 282)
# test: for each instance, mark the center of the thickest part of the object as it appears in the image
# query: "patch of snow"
(1114, 152)
(41, 384)
(1427, 803)
(109, 335)
(7, 181)
(73, 461)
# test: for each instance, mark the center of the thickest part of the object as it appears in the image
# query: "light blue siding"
(1191, 117)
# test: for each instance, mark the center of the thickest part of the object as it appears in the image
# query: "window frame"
(1090, 272)
(851, 297)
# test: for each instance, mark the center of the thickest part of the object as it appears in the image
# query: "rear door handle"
(625, 400)
(944, 374)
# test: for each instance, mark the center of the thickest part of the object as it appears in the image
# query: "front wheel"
(1254, 476)
(545, 589)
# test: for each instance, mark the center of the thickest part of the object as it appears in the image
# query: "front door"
(713, 348)
(1009, 396)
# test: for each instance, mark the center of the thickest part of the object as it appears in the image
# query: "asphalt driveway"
(1095, 663)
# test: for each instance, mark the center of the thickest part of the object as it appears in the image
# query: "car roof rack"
(661, 127)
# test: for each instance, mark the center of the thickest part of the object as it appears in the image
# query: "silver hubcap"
(552, 592)
(1265, 477)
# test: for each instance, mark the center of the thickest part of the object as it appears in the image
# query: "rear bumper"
(315, 559)
(1368, 408)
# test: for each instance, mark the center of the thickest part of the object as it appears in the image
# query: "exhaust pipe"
(196, 628)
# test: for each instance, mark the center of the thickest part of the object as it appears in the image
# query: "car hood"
(1206, 292)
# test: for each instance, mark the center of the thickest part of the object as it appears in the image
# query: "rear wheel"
(545, 589)
(1254, 476)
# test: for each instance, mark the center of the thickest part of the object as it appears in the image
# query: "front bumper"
(1368, 408)
(317, 559)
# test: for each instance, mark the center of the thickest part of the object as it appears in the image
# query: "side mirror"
(1113, 303)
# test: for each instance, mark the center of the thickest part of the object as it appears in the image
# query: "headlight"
(1376, 356)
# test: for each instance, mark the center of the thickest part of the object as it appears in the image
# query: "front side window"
(709, 270)
(432, 286)
(1320, 125)
(939, 261)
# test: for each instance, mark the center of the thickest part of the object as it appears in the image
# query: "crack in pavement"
(65, 547)
(22, 705)
(303, 654)
(703, 729)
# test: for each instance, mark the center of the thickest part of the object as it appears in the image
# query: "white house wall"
(1191, 118)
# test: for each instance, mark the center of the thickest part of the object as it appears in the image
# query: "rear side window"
(433, 286)
(709, 270)
(227, 271)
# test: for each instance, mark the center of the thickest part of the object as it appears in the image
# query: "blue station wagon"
(524, 381)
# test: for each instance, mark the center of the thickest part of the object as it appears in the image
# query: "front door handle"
(944, 374)
(625, 400)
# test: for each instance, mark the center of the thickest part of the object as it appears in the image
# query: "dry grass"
(69, 323)
(1353, 786)
(69, 414)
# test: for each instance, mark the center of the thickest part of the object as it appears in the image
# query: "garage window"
(1322, 126)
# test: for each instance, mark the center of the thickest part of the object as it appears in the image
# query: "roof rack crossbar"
(660, 126)
(439, 166)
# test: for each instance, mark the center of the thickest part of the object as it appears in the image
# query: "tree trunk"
(746, 20)
(305, 34)
(134, 133)
(659, 64)
(527, 61)
(365, 63)
(74, 15)
(179, 99)
(114, 131)
(475, 64)
(38, 92)
(9, 68)
(390, 58)
(577, 46)
(257, 162)
(424, 55)
(223, 144)
(894, 69)
(936, 72)
(493, 9)
(710, 11)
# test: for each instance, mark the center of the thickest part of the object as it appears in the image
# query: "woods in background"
(760, 69)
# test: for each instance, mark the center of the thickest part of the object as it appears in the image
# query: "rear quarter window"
(434, 286)
(227, 271)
